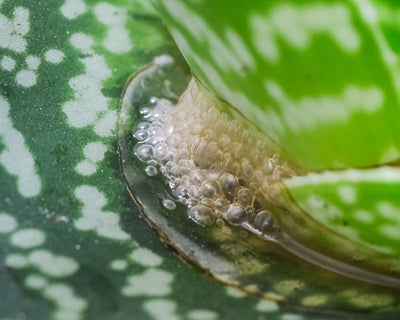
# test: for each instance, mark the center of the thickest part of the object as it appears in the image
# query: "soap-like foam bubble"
(212, 164)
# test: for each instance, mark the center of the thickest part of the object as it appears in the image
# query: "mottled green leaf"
(320, 78)
(360, 204)
(73, 245)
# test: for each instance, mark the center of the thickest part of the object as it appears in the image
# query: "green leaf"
(320, 78)
(271, 265)
(360, 204)
(73, 245)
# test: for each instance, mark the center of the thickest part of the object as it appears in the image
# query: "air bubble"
(236, 150)
(171, 168)
(143, 126)
(202, 215)
(263, 221)
(184, 166)
(269, 165)
(168, 131)
(276, 175)
(194, 192)
(183, 153)
(211, 163)
(144, 152)
(247, 137)
(141, 135)
(169, 204)
(224, 142)
(153, 140)
(183, 200)
(197, 128)
(225, 117)
(246, 167)
(213, 115)
(235, 214)
(219, 127)
(220, 223)
(156, 115)
(228, 183)
(192, 202)
(153, 100)
(185, 181)
(244, 197)
(197, 177)
(236, 128)
(276, 157)
(221, 204)
(208, 190)
(219, 214)
(174, 139)
(173, 184)
(258, 177)
(172, 155)
(145, 112)
(151, 171)
(160, 152)
(210, 134)
(155, 132)
(208, 203)
(181, 191)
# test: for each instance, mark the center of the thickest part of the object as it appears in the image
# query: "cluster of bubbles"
(211, 162)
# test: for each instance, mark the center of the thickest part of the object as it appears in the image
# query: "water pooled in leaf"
(211, 184)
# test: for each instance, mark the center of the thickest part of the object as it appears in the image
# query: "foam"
(212, 162)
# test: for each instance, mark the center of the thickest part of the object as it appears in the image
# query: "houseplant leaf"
(318, 78)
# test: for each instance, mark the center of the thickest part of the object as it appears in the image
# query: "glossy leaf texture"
(360, 204)
(73, 246)
(322, 79)
(72, 243)
(281, 270)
